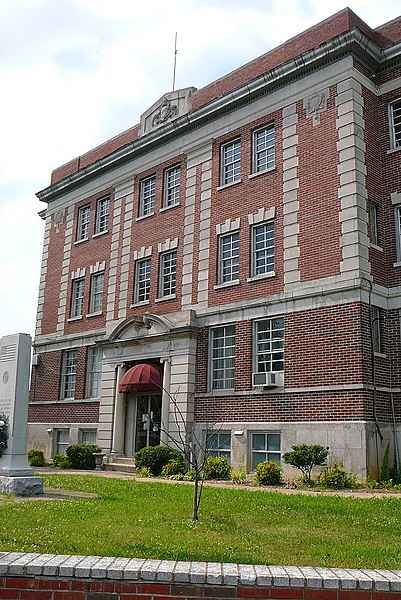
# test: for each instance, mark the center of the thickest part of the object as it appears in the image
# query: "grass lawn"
(152, 520)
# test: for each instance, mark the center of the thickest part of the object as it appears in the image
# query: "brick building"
(237, 254)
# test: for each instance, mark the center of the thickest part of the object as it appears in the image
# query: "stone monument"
(16, 476)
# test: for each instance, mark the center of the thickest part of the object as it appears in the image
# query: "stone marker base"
(21, 486)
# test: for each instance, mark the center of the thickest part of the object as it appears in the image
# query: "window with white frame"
(269, 345)
(62, 439)
(68, 374)
(142, 280)
(230, 162)
(147, 196)
(88, 436)
(168, 273)
(172, 179)
(373, 236)
(77, 297)
(229, 257)
(102, 215)
(265, 446)
(94, 372)
(398, 230)
(222, 357)
(262, 240)
(219, 444)
(83, 223)
(375, 317)
(96, 293)
(263, 156)
(395, 123)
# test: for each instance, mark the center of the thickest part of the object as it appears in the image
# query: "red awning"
(142, 378)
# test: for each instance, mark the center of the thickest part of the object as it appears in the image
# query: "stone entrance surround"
(52, 577)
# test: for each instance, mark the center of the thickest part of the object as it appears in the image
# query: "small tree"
(305, 457)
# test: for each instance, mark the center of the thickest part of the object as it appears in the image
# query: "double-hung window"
(222, 357)
(398, 230)
(373, 236)
(61, 441)
(102, 215)
(269, 345)
(230, 163)
(94, 372)
(172, 179)
(262, 249)
(77, 298)
(219, 444)
(147, 197)
(263, 149)
(69, 374)
(96, 293)
(265, 446)
(142, 280)
(83, 223)
(228, 258)
(395, 124)
(376, 329)
(168, 274)
(88, 436)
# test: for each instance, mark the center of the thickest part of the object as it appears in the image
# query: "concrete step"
(123, 464)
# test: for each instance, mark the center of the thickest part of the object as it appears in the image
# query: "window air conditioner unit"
(265, 379)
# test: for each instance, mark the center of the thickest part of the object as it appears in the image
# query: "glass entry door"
(148, 420)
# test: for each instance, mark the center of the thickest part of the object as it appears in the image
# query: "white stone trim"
(143, 252)
(188, 239)
(43, 271)
(98, 267)
(65, 267)
(111, 286)
(78, 274)
(167, 245)
(228, 225)
(395, 198)
(263, 214)
(125, 255)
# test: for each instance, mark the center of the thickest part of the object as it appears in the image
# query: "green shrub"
(155, 458)
(268, 473)
(36, 458)
(173, 467)
(81, 456)
(305, 457)
(189, 475)
(337, 478)
(61, 461)
(239, 477)
(217, 467)
(144, 472)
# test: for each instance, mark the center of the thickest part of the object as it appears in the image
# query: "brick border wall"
(52, 577)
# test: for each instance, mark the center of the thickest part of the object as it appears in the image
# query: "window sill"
(95, 235)
(393, 150)
(164, 208)
(81, 241)
(221, 286)
(164, 298)
(380, 354)
(253, 175)
(145, 216)
(397, 264)
(375, 247)
(262, 276)
(142, 303)
(228, 185)
(94, 314)
(71, 319)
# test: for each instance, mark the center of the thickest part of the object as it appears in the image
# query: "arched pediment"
(140, 327)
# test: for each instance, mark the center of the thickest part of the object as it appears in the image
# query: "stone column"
(117, 446)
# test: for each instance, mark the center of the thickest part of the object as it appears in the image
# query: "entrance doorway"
(148, 420)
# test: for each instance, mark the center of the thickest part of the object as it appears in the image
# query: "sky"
(74, 73)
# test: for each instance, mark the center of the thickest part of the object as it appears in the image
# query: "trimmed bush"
(268, 473)
(337, 478)
(155, 458)
(172, 468)
(36, 458)
(217, 467)
(81, 456)
(61, 461)
(305, 457)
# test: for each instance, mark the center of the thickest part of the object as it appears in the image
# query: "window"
(269, 345)
(223, 357)
(142, 280)
(69, 374)
(263, 150)
(88, 436)
(77, 297)
(230, 163)
(83, 223)
(262, 249)
(94, 372)
(376, 329)
(229, 257)
(61, 441)
(373, 223)
(102, 215)
(395, 124)
(219, 444)
(265, 446)
(168, 274)
(147, 197)
(96, 293)
(398, 230)
(172, 179)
